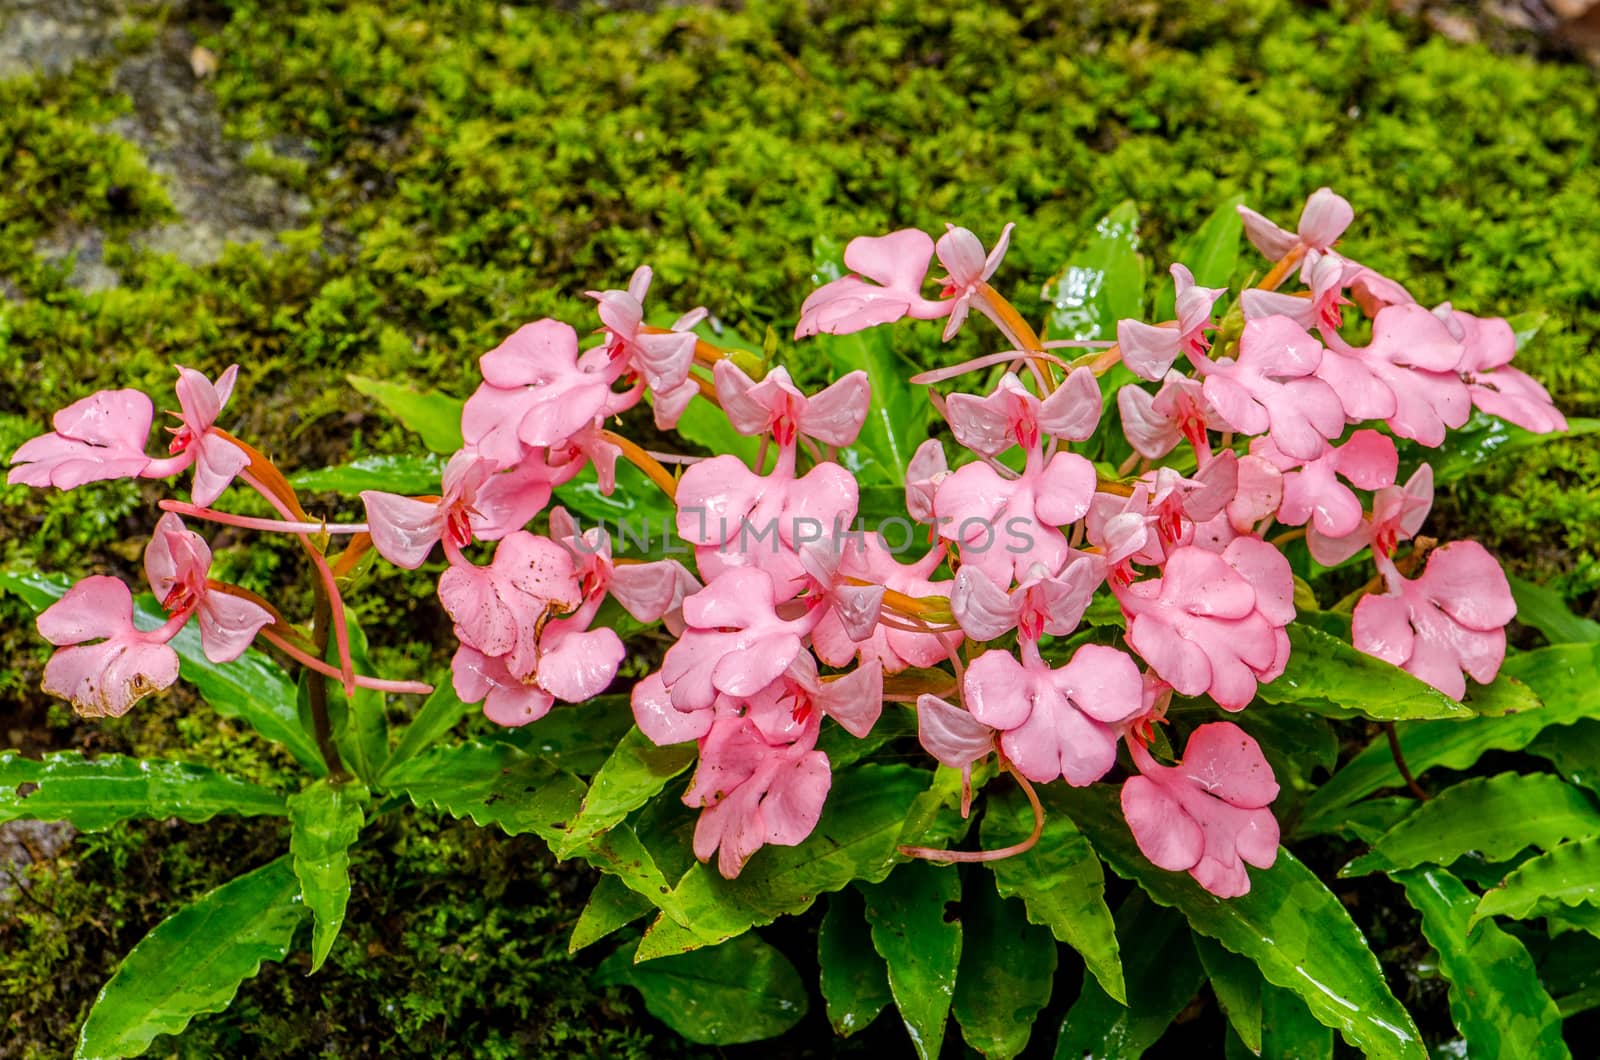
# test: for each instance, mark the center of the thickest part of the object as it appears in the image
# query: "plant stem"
(1400, 763)
(317, 685)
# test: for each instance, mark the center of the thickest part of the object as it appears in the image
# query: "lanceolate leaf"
(405, 475)
(1496, 816)
(1495, 996)
(1007, 965)
(1289, 1030)
(1573, 749)
(611, 905)
(435, 416)
(92, 794)
(360, 723)
(325, 819)
(856, 839)
(577, 738)
(1564, 676)
(1325, 670)
(1163, 974)
(1059, 881)
(252, 687)
(1211, 254)
(437, 716)
(920, 945)
(1102, 284)
(741, 991)
(1547, 612)
(1238, 987)
(492, 783)
(636, 771)
(1484, 438)
(1290, 924)
(1567, 875)
(854, 979)
(193, 961)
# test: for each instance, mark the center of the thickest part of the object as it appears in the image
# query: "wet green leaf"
(1289, 1031)
(854, 979)
(1059, 881)
(1567, 875)
(1211, 254)
(94, 794)
(577, 738)
(1573, 749)
(1323, 669)
(920, 945)
(1162, 973)
(855, 839)
(434, 416)
(406, 475)
(325, 820)
(1007, 968)
(1496, 999)
(360, 722)
(1102, 283)
(1564, 677)
(611, 905)
(1483, 438)
(1547, 612)
(1238, 986)
(437, 716)
(740, 991)
(193, 961)
(639, 517)
(1290, 924)
(252, 688)
(492, 783)
(636, 771)
(1495, 816)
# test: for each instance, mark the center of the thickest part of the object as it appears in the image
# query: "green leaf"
(1496, 999)
(640, 518)
(1567, 875)
(897, 421)
(1102, 284)
(252, 688)
(95, 794)
(855, 839)
(1162, 972)
(492, 783)
(1495, 816)
(1059, 881)
(437, 716)
(1211, 254)
(1007, 968)
(193, 961)
(1289, 1031)
(1290, 924)
(1324, 669)
(1564, 677)
(406, 475)
(1482, 439)
(920, 945)
(740, 991)
(325, 819)
(577, 738)
(1573, 749)
(636, 771)
(435, 416)
(854, 979)
(360, 722)
(1547, 612)
(611, 905)
(1238, 987)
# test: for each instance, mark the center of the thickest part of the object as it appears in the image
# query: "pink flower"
(1322, 310)
(1043, 603)
(1322, 222)
(125, 664)
(561, 659)
(1414, 356)
(1214, 623)
(538, 391)
(1312, 491)
(498, 609)
(1149, 350)
(1397, 514)
(735, 642)
(950, 734)
(1004, 526)
(833, 416)
(1487, 348)
(1161, 513)
(1208, 815)
(650, 592)
(1056, 723)
(754, 794)
(216, 459)
(1012, 415)
(866, 559)
(898, 265)
(96, 438)
(1155, 424)
(1259, 494)
(1271, 389)
(1452, 619)
(176, 562)
(478, 504)
(926, 469)
(968, 270)
(662, 357)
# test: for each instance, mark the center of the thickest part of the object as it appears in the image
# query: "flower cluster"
(1268, 413)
